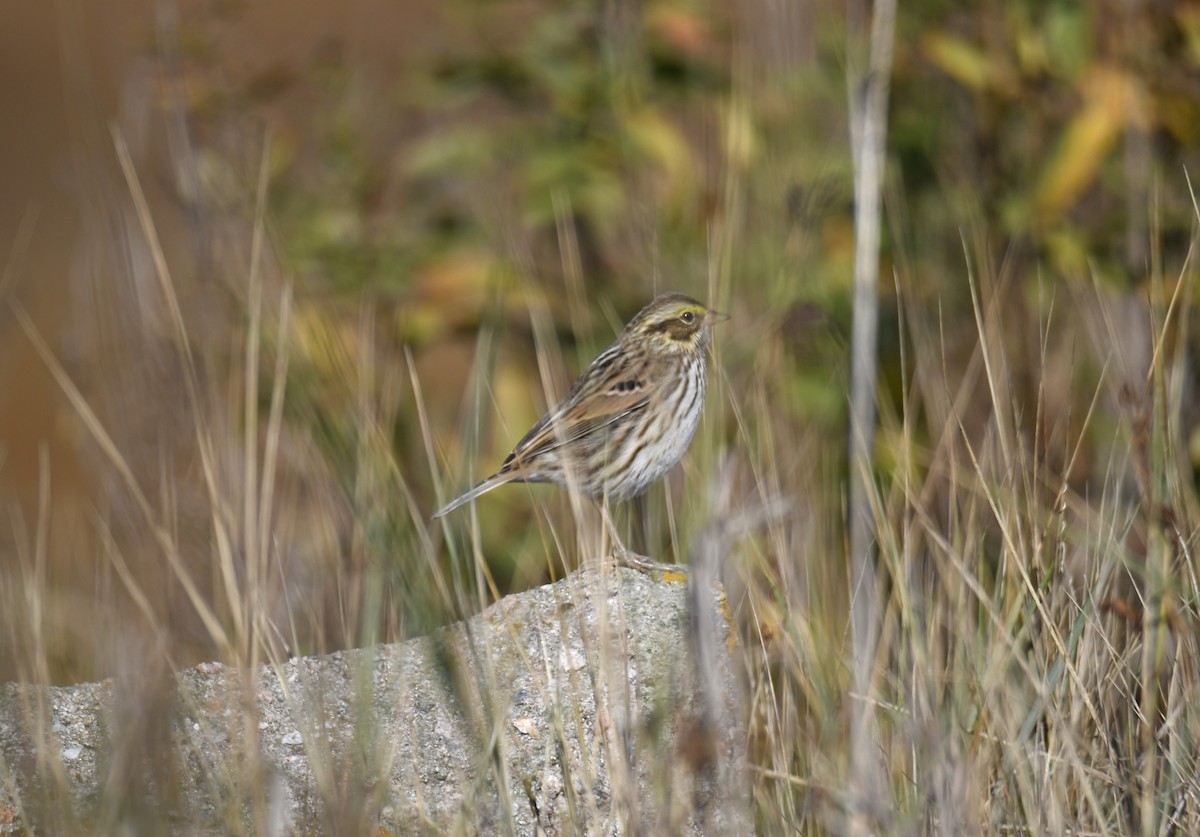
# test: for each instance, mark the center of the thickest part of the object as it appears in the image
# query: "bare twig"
(868, 134)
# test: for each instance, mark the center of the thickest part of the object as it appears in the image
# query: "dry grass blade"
(204, 441)
(118, 462)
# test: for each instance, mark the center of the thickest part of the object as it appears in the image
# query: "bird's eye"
(688, 317)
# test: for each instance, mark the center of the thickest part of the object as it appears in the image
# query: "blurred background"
(401, 225)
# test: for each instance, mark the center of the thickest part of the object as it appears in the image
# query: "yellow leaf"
(664, 144)
(962, 61)
(1187, 16)
(1112, 99)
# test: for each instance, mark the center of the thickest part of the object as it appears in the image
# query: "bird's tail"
(470, 494)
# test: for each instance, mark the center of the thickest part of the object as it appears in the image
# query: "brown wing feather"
(612, 387)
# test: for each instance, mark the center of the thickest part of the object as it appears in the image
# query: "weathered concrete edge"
(406, 734)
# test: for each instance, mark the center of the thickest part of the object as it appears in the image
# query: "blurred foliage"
(569, 159)
(1061, 118)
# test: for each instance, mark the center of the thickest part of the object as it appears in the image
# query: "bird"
(627, 420)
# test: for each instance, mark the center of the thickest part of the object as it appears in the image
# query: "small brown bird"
(629, 417)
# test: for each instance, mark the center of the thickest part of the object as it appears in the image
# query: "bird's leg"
(639, 533)
(628, 557)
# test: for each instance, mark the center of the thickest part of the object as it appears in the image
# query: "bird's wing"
(613, 386)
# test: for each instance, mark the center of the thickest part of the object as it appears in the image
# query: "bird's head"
(674, 322)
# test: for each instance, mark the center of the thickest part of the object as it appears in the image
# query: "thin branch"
(868, 134)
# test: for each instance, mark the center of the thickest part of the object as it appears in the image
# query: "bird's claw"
(643, 564)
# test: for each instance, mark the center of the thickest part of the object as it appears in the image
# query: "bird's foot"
(642, 564)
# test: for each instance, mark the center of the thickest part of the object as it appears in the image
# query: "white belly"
(661, 455)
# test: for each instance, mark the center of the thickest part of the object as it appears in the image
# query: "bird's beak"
(714, 317)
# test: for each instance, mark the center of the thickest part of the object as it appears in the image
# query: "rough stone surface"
(572, 708)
